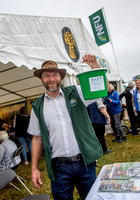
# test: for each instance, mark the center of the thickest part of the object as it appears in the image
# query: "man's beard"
(46, 85)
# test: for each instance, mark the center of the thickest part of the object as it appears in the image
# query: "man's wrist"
(95, 66)
(34, 168)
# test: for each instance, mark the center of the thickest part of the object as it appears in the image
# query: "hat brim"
(38, 72)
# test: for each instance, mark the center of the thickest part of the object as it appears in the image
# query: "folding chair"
(6, 176)
(17, 153)
(37, 197)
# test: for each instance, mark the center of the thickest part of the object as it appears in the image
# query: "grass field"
(121, 152)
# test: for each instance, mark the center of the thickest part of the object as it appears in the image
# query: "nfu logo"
(70, 44)
(99, 28)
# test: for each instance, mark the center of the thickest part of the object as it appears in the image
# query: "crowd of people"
(128, 94)
(69, 129)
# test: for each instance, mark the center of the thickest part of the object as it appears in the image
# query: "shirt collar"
(59, 94)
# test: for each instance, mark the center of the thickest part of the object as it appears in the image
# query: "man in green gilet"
(60, 124)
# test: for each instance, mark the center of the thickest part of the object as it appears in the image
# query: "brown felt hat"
(49, 66)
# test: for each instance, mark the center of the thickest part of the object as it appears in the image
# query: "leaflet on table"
(121, 171)
(120, 186)
(125, 170)
(106, 173)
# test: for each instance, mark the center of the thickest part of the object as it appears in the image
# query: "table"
(93, 193)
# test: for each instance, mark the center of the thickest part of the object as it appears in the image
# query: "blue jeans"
(21, 141)
(68, 175)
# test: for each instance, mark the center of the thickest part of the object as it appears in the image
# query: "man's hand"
(90, 59)
(36, 178)
(108, 120)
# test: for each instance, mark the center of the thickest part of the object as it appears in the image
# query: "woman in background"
(99, 118)
(21, 122)
(7, 149)
(114, 109)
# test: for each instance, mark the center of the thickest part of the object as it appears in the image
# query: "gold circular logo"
(70, 44)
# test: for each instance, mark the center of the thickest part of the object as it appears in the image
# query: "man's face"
(138, 84)
(51, 80)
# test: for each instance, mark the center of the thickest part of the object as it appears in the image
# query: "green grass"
(121, 152)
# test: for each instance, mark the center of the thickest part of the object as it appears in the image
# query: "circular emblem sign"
(70, 44)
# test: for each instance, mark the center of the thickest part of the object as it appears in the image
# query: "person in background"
(99, 118)
(114, 109)
(136, 99)
(4, 126)
(1, 123)
(60, 122)
(20, 124)
(124, 114)
(7, 149)
(129, 105)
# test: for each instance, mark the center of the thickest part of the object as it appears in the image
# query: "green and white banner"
(99, 28)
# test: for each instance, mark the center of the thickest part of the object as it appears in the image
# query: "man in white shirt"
(60, 122)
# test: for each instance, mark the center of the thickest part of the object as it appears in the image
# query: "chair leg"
(24, 185)
(22, 178)
(14, 186)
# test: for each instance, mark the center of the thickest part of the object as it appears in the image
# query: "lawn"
(121, 152)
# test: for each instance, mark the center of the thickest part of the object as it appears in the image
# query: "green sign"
(99, 28)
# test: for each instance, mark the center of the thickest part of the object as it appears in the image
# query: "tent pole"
(27, 106)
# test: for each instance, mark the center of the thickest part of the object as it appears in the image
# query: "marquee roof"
(26, 41)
